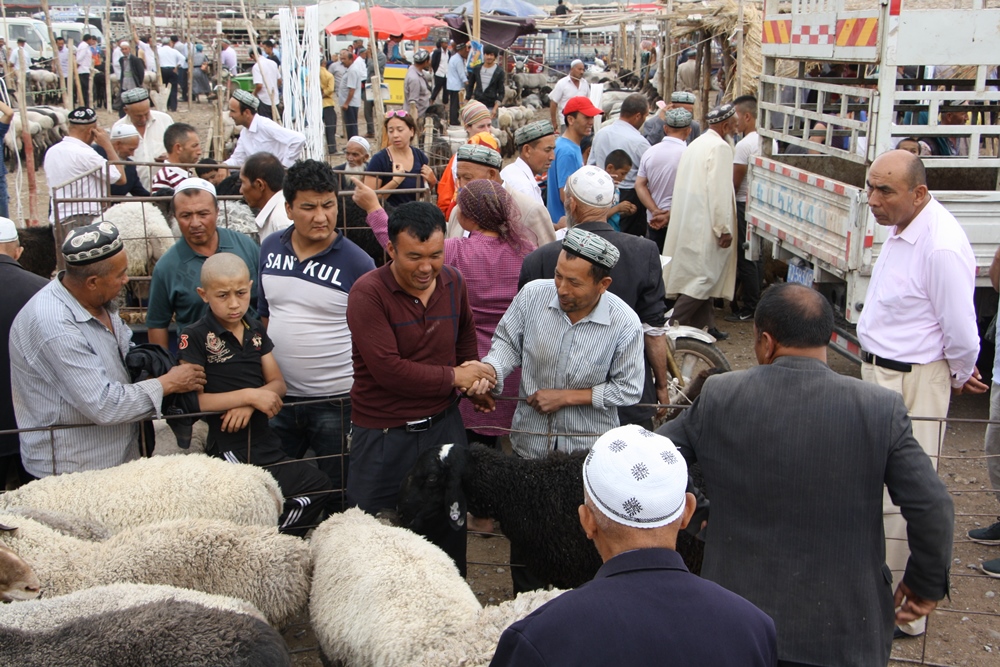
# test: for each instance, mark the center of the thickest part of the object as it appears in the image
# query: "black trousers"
(182, 82)
(657, 236)
(748, 272)
(85, 88)
(453, 105)
(170, 77)
(12, 465)
(350, 121)
(330, 123)
(381, 458)
(307, 489)
(634, 224)
(440, 83)
(369, 113)
(265, 110)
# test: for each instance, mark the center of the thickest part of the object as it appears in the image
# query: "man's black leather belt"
(892, 365)
(425, 424)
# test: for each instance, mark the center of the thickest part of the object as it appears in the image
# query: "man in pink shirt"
(918, 326)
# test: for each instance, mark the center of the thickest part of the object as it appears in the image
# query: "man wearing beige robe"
(702, 226)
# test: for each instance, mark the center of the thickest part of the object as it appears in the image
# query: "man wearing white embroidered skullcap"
(357, 152)
(634, 505)
(177, 275)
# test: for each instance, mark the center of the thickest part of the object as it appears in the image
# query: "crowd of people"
(505, 314)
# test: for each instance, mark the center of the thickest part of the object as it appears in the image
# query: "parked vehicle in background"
(822, 129)
(34, 32)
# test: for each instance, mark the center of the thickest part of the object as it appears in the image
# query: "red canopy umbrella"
(386, 22)
(430, 22)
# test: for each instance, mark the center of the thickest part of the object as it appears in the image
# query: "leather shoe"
(717, 335)
(899, 634)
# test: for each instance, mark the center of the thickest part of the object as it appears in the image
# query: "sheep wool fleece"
(150, 634)
(157, 489)
(254, 563)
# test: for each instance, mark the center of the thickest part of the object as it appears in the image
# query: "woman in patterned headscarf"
(476, 120)
(490, 259)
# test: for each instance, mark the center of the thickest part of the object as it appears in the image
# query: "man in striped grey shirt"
(67, 356)
(580, 349)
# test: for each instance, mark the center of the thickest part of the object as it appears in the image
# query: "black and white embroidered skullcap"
(92, 243)
(195, 184)
(477, 154)
(590, 247)
(677, 117)
(421, 56)
(719, 114)
(533, 131)
(82, 116)
(246, 98)
(124, 131)
(8, 230)
(133, 95)
(636, 477)
(592, 186)
(681, 97)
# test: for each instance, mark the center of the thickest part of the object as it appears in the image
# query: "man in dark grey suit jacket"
(794, 458)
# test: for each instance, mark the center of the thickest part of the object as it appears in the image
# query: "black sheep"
(447, 482)
(535, 502)
(39, 254)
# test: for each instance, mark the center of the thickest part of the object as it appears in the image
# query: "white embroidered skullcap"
(360, 141)
(8, 230)
(195, 184)
(123, 43)
(575, 63)
(124, 131)
(592, 186)
(636, 477)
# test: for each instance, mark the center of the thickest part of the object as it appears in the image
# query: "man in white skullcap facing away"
(643, 608)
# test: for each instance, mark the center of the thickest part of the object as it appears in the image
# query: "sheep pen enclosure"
(964, 631)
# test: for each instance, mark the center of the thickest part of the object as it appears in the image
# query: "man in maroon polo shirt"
(412, 335)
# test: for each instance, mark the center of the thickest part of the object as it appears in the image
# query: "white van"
(33, 32)
(76, 31)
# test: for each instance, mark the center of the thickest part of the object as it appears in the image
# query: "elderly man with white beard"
(357, 152)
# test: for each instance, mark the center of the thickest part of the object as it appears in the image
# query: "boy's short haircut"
(223, 265)
(309, 175)
(618, 159)
(210, 166)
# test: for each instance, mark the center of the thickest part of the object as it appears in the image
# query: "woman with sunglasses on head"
(489, 257)
(399, 158)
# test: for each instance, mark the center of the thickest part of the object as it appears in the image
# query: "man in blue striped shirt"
(67, 356)
(580, 349)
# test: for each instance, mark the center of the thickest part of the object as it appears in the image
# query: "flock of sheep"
(187, 546)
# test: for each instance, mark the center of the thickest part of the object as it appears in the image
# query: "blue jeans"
(322, 427)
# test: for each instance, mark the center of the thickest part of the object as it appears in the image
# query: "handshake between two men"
(477, 380)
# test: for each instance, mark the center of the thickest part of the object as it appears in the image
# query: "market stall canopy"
(500, 31)
(518, 8)
(430, 22)
(387, 22)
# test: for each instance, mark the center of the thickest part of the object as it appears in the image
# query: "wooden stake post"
(63, 76)
(376, 77)
(109, 50)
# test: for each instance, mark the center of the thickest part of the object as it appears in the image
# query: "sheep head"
(17, 580)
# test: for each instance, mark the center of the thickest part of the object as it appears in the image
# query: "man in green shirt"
(177, 275)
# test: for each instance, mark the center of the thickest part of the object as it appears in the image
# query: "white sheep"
(385, 596)
(145, 232)
(252, 563)
(158, 489)
(128, 624)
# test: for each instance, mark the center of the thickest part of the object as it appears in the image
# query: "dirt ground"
(964, 631)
